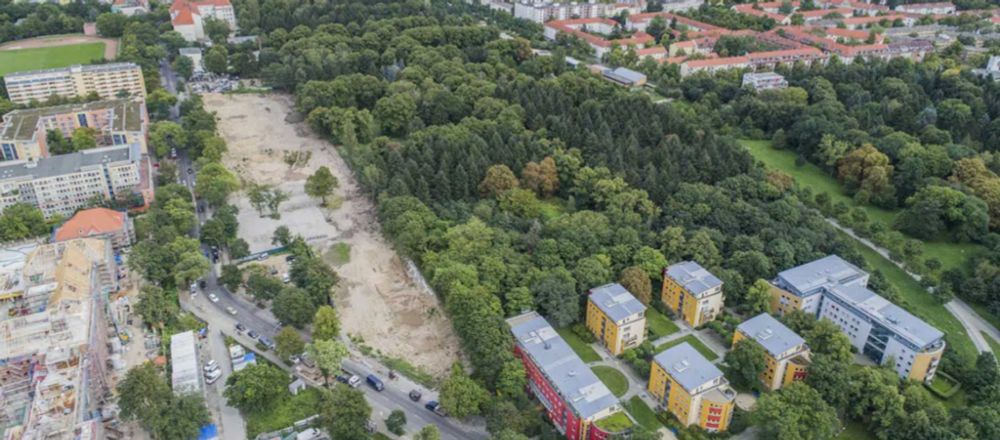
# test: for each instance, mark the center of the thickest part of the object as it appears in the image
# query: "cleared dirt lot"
(376, 298)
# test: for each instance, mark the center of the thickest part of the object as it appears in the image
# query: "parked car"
(375, 382)
(354, 381)
(370, 427)
(194, 288)
(433, 405)
(213, 298)
(266, 342)
(202, 283)
(262, 256)
(286, 278)
(253, 335)
(342, 378)
(415, 395)
(240, 328)
(210, 378)
(231, 310)
(211, 365)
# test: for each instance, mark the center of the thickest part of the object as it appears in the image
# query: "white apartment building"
(764, 81)
(62, 184)
(107, 80)
(188, 16)
(542, 11)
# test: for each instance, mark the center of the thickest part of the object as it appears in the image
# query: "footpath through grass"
(950, 254)
(694, 341)
(49, 57)
(582, 349)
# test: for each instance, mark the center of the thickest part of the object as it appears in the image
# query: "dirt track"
(110, 44)
(376, 297)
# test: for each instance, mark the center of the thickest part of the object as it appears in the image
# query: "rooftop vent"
(765, 334)
(681, 366)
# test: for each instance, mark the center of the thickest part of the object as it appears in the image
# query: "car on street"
(433, 405)
(211, 365)
(375, 382)
(266, 342)
(342, 378)
(194, 288)
(190, 171)
(210, 378)
(240, 328)
(252, 335)
(231, 310)
(202, 283)
(415, 395)
(213, 298)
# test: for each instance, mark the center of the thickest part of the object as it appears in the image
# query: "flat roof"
(616, 301)
(809, 278)
(21, 124)
(185, 372)
(67, 163)
(66, 70)
(624, 75)
(770, 334)
(885, 313)
(687, 367)
(573, 379)
(693, 277)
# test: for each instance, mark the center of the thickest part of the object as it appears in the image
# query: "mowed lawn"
(613, 378)
(659, 325)
(950, 254)
(49, 57)
(582, 349)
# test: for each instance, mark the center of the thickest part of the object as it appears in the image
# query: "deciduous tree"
(288, 343)
(635, 280)
(326, 323)
(795, 412)
(460, 395)
(256, 388)
(746, 361)
(321, 184)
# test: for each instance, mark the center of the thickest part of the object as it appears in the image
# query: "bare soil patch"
(377, 298)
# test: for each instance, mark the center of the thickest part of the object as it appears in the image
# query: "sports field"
(49, 57)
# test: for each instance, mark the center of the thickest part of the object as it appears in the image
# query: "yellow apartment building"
(616, 318)
(786, 352)
(691, 388)
(692, 292)
(108, 81)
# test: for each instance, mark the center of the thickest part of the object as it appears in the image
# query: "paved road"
(231, 424)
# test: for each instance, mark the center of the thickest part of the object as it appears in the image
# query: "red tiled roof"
(640, 18)
(91, 222)
(656, 50)
(846, 12)
(712, 62)
(572, 27)
(182, 12)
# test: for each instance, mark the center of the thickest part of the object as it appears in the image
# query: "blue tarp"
(250, 357)
(208, 432)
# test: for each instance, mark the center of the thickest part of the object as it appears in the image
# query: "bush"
(584, 333)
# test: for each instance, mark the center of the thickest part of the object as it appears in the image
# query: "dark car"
(190, 171)
(433, 405)
(253, 335)
(342, 378)
(240, 328)
(415, 395)
(375, 382)
(202, 283)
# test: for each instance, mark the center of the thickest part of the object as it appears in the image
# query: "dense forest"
(516, 184)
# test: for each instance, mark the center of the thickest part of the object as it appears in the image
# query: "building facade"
(119, 122)
(833, 289)
(691, 388)
(764, 81)
(542, 11)
(692, 293)
(616, 318)
(786, 352)
(108, 81)
(575, 400)
(65, 183)
(99, 222)
(188, 16)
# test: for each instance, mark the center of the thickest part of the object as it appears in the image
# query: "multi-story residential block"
(616, 318)
(575, 400)
(108, 81)
(786, 353)
(764, 81)
(692, 293)
(542, 11)
(119, 122)
(831, 288)
(939, 8)
(62, 184)
(691, 388)
(98, 222)
(592, 31)
(188, 16)
(130, 7)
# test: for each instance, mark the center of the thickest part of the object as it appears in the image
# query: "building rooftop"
(616, 301)
(909, 327)
(22, 124)
(687, 367)
(693, 277)
(88, 222)
(185, 371)
(573, 379)
(16, 76)
(809, 278)
(771, 334)
(624, 76)
(67, 163)
(761, 76)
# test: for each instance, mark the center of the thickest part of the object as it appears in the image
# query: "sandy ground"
(110, 44)
(376, 298)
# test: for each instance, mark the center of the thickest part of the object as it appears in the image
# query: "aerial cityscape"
(499, 220)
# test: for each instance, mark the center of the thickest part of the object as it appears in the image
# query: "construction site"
(54, 339)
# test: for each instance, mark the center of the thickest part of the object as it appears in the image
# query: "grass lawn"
(695, 342)
(581, 348)
(289, 410)
(613, 378)
(616, 422)
(855, 431)
(643, 414)
(950, 254)
(338, 254)
(918, 301)
(49, 57)
(658, 324)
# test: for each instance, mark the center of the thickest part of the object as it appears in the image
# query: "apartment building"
(575, 400)
(188, 16)
(692, 293)
(592, 31)
(831, 288)
(106, 80)
(786, 352)
(130, 7)
(51, 361)
(62, 184)
(101, 223)
(764, 81)
(543, 11)
(616, 318)
(692, 388)
(118, 122)
(939, 8)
